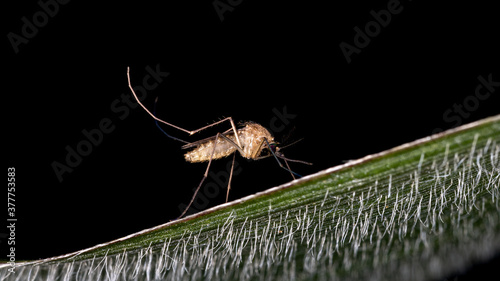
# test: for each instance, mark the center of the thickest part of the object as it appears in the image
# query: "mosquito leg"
(177, 127)
(218, 122)
(230, 178)
(149, 112)
(158, 125)
(288, 166)
(234, 144)
(203, 179)
(256, 157)
(281, 165)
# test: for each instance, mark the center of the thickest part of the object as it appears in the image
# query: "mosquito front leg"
(290, 170)
(177, 127)
(277, 160)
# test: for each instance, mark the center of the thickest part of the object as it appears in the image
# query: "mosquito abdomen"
(203, 151)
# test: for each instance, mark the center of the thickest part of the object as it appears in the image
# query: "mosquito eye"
(274, 148)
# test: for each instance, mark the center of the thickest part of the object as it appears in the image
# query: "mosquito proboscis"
(250, 140)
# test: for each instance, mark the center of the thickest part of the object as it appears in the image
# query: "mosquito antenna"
(290, 144)
(158, 125)
(288, 135)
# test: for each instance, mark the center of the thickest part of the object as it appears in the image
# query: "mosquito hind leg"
(161, 129)
(146, 109)
(233, 126)
(218, 122)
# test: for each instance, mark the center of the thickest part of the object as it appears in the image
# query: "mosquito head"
(274, 148)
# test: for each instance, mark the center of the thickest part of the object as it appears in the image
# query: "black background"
(261, 57)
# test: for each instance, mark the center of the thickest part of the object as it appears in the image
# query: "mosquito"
(250, 140)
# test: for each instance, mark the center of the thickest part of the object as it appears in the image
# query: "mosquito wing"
(197, 143)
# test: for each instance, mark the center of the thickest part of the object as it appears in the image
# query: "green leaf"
(423, 210)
